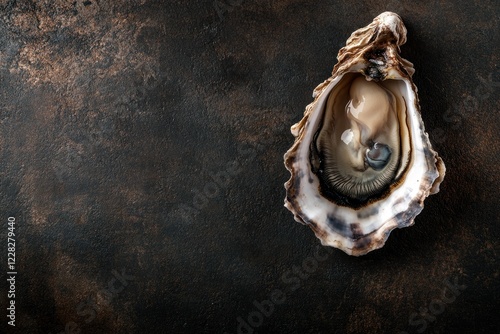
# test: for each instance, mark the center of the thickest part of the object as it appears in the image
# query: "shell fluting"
(362, 163)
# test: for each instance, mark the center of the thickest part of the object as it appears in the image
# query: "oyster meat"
(362, 164)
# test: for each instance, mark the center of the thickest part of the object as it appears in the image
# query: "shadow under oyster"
(362, 164)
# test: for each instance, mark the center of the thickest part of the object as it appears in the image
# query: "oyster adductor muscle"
(362, 163)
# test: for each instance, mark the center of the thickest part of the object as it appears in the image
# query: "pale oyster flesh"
(362, 163)
(362, 148)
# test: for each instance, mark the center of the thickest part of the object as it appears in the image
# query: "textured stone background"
(116, 116)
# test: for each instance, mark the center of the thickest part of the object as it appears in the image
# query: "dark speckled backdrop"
(141, 147)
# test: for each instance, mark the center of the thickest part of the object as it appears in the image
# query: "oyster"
(362, 164)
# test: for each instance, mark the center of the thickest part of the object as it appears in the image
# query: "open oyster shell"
(362, 164)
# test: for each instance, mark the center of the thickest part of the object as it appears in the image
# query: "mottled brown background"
(114, 115)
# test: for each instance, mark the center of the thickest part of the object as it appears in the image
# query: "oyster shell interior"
(362, 145)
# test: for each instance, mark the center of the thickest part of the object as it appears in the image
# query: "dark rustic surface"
(116, 117)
